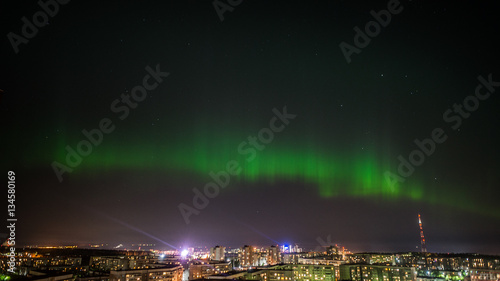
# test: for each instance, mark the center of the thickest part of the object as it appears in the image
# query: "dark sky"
(322, 174)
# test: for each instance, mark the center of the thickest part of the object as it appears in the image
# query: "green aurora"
(340, 174)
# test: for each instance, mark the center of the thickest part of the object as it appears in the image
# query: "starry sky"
(323, 174)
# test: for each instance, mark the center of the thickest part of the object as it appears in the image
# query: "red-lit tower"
(422, 237)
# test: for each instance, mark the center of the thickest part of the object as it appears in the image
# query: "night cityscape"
(250, 140)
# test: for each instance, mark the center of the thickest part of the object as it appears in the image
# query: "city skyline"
(290, 247)
(247, 263)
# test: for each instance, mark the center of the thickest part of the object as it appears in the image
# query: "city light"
(184, 253)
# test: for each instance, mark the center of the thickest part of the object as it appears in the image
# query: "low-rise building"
(201, 269)
(163, 273)
(485, 274)
(368, 272)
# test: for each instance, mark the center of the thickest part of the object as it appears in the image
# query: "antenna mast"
(422, 237)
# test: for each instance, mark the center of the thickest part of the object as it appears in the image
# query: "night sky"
(321, 175)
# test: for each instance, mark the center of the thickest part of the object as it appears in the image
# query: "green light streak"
(335, 174)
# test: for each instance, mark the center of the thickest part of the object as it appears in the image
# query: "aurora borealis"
(331, 174)
(323, 174)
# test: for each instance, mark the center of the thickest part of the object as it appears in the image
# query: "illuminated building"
(298, 272)
(366, 272)
(218, 253)
(202, 269)
(107, 263)
(273, 255)
(164, 273)
(53, 277)
(485, 274)
(312, 272)
(248, 256)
